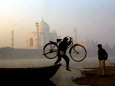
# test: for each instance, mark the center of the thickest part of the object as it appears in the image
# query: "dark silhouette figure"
(62, 52)
(102, 56)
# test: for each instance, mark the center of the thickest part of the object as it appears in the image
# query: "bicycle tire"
(77, 52)
(44, 50)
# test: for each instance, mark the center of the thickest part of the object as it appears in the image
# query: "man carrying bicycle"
(62, 52)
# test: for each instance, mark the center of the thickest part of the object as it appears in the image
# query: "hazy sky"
(94, 19)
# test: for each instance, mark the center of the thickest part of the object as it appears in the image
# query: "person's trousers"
(102, 66)
(65, 57)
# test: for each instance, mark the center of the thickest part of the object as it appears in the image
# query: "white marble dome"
(43, 26)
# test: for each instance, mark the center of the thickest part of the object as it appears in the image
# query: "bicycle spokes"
(50, 50)
(78, 53)
(52, 46)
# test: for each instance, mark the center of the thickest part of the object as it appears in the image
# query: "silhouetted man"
(62, 52)
(102, 56)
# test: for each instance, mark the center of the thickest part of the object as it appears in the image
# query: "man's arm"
(69, 42)
(98, 55)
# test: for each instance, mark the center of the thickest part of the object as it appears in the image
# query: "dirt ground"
(92, 77)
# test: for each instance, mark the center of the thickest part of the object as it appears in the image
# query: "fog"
(93, 19)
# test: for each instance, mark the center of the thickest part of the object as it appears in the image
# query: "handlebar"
(69, 37)
(69, 40)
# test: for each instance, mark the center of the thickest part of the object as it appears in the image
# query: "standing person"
(102, 56)
(62, 52)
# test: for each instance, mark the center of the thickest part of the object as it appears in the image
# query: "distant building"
(86, 43)
(75, 36)
(41, 36)
(12, 39)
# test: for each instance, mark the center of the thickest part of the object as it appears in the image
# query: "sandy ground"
(64, 77)
(91, 77)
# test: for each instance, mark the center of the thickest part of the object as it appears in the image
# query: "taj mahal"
(41, 36)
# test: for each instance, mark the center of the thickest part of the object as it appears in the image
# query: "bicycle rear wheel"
(50, 50)
(78, 52)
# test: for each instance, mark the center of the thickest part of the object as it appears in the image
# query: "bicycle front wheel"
(50, 50)
(78, 52)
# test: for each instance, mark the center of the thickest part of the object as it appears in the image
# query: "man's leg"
(102, 66)
(58, 60)
(67, 62)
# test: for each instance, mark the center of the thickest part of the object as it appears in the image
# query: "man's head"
(65, 39)
(99, 45)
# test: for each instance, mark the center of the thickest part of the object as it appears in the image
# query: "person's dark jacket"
(102, 54)
(63, 46)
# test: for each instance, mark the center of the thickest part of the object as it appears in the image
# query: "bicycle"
(77, 52)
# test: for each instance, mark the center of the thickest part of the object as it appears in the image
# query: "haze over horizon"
(93, 19)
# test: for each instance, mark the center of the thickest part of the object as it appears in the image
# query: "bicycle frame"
(70, 47)
(59, 40)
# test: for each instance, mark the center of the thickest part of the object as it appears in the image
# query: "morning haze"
(93, 19)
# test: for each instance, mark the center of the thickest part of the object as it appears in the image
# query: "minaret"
(12, 39)
(37, 30)
(42, 19)
(37, 34)
(75, 36)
